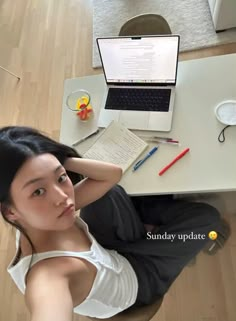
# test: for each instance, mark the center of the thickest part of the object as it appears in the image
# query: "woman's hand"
(100, 178)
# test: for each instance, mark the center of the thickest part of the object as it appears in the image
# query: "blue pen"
(140, 163)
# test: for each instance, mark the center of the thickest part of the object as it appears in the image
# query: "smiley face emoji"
(212, 235)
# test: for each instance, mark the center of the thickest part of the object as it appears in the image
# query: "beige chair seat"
(145, 24)
(144, 313)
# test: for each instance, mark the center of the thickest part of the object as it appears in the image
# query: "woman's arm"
(48, 296)
(100, 178)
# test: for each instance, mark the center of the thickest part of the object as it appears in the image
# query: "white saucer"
(226, 112)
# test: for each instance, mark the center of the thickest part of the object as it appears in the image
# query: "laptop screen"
(144, 60)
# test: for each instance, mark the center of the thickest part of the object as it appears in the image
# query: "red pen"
(172, 141)
(173, 161)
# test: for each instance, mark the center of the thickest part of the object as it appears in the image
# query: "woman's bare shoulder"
(45, 285)
(76, 272)
(62, 266)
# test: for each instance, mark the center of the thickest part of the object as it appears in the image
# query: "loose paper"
(117, 145)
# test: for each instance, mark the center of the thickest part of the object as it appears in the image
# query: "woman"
(67, 263)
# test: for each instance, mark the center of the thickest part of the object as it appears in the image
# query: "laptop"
(140, 74)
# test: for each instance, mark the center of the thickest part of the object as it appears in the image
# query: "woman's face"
(42, 195)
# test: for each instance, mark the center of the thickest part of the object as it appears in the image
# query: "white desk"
(210, 166)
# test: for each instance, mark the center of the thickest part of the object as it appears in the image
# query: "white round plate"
(226, 112)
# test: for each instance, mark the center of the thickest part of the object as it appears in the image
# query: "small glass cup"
(79, 102)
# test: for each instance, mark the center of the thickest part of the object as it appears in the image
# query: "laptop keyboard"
(138, 99)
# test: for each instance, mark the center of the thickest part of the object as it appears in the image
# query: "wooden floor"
(45, 42)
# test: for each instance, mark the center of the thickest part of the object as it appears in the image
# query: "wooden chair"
(144, 313)
(145, 24)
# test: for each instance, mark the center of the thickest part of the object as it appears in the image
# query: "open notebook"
(117, 145)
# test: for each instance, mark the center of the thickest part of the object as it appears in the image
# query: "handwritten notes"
(117, 145)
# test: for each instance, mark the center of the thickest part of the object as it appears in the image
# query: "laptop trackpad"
(134, 119)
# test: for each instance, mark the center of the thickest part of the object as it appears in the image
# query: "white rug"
(191, 19)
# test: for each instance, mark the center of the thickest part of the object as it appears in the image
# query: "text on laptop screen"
(140, 59)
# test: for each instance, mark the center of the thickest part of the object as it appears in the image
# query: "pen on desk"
(164, 138)
(140, 163)
(184, 152)
(168, 140)
(85, 137)
(161, 139)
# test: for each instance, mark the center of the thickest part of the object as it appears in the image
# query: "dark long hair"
(17, 144)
